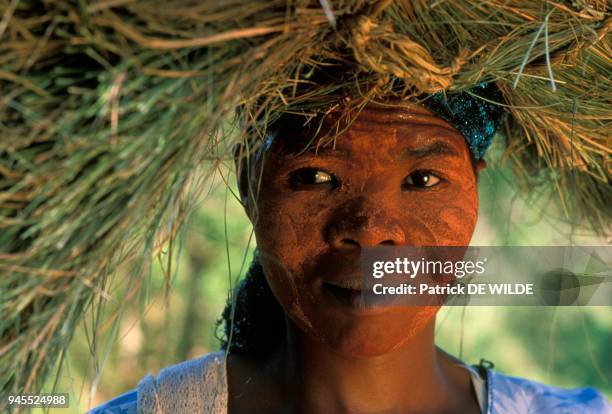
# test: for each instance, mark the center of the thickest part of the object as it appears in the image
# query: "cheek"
(457, 224)
(288, 235)
(283, 272)
(450, 215)
(289, 229)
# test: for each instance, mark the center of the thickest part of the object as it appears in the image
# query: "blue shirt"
(503, 395)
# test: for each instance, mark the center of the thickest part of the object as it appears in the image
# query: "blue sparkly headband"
(472, 112)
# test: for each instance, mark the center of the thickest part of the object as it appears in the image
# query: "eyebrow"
(434, 149)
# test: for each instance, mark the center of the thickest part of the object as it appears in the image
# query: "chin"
(369, 336)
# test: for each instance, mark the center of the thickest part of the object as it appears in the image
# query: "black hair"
(257, 326)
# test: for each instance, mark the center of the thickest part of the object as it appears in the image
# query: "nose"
(361, 224)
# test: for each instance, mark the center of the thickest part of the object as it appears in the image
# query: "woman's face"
(400, 177)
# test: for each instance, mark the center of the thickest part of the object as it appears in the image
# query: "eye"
(311, 177)
(420, 180)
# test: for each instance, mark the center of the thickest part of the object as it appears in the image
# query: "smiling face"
(400, 177)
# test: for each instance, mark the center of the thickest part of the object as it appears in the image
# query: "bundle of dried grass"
(112, 112)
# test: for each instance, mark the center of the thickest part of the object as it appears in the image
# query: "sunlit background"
(566, 347)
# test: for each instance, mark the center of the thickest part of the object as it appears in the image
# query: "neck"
(414, 377)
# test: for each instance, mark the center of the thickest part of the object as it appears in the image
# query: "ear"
(480, 165)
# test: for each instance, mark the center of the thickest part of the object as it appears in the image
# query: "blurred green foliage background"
(566, 347)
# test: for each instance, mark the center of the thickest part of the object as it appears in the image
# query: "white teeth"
(354, 284)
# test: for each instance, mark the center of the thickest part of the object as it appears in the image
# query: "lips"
(340, 277)
(352, 284)
(337, 267)
(347, 292)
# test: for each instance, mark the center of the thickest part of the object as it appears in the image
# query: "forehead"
(407, 128)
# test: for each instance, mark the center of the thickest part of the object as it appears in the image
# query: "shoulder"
(123, 404)
(199, 384)
(519, 395)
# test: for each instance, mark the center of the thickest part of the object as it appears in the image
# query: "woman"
(399, 175)
(112, 108)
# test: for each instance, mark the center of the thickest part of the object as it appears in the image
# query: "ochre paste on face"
(316, 210)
